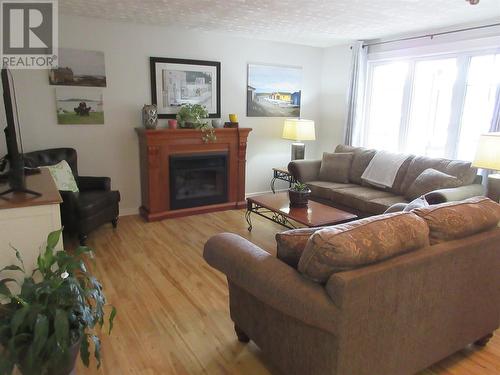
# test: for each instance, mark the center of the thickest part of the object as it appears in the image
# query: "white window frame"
(458, 95)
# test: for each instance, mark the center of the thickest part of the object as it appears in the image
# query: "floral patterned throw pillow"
(63, 176)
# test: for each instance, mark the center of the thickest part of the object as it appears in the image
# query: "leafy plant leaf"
(112, 316)
(53, 238)
(97, 349)
(4, 290)
(84, 350)
(12, 267)
(41, 333)
(18, 319)
(18, 256)
(61, 326)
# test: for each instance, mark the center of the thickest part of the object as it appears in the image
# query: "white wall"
(334, 81)
(112, 149)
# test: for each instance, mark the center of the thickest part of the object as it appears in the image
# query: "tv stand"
(24, 190)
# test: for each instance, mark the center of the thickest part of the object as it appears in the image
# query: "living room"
(234, 140)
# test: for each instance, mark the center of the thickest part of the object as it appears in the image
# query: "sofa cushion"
(430, 180)
(360, 161)
(356, 244)
(380, 205)
(460, 169)
(291, 243)
(454, 220)
(323, 189)
(360, 198)
(335, 167)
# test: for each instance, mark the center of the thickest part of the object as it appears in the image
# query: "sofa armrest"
(455, 194)
(94, 183)
(305, 170)
(271, 281)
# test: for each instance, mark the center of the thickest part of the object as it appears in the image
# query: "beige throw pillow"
(454, 220)
(335, 167)
(430, 180)
(359, 243)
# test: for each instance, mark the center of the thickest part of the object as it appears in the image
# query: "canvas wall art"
(79, 68)
(273, 91)
(175, 82)
(79, 106)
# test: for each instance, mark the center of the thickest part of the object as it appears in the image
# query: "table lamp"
(488, 157)
(299, 130)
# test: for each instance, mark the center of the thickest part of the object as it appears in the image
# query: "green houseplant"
(299, 194)
(55, 315)
(194, 116)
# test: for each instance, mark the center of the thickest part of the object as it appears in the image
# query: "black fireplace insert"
(198, 179)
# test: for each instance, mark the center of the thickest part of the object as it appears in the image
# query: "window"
(435, 106)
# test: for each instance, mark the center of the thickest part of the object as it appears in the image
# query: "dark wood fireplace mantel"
(156, 147)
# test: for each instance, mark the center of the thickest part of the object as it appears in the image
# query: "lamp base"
(494, 187)
(298, 151)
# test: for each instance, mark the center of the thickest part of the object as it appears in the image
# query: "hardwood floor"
(173, 315)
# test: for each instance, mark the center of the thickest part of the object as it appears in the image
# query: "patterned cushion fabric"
(460, 169)
(291, 244)
(335, 167)
(430, 180)
(359, 243)
(454, 220)
(63, 176)
(362, 158)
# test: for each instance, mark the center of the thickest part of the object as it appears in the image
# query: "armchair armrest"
(94, 183)
(305, 170)
(455, 194)
(272, 281)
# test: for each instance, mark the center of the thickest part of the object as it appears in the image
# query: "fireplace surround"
(172, 159)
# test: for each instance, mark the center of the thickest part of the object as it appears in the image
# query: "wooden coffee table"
(276, 207)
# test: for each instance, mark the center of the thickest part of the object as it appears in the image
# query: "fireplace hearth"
(198, 180)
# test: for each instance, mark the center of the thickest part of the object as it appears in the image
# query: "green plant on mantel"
(192, 116)
(195, 116)
(57, 313)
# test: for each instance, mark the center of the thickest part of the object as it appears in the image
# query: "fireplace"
(198, 180)
(181, 174)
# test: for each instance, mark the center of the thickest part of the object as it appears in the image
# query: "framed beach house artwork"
(175, 82)
(273, 91)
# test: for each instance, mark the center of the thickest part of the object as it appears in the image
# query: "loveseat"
(436, 291)
(356, 196)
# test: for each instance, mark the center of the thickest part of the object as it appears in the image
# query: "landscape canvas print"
(79, 106)
(79, 68)
(177, 82)
(273, 91)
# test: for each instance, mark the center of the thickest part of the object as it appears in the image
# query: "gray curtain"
(355, 94)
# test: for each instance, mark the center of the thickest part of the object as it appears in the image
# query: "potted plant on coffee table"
(54, 316)
(299, 194)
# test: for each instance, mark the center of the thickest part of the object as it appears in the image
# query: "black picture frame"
(153, 61)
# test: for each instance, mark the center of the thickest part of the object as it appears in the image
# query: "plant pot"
(298, 198)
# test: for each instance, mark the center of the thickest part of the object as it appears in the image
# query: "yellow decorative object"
(299, 130)
(233, 117)
(488, 152)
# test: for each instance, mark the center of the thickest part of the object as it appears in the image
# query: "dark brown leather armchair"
(95, 203)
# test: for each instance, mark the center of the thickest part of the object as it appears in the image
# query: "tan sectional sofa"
(435, 291)
(365, 200)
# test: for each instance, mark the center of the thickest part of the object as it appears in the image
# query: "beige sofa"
(394, 317)
(366, 200)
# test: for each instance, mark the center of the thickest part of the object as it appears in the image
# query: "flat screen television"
(14, 157)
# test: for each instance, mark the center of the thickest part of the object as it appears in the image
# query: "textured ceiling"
(311, 22)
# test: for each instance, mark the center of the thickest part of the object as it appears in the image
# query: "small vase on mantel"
(150, 116)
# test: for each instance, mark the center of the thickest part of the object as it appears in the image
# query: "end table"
(282, 174)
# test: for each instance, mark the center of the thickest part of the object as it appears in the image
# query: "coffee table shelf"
(276, 207)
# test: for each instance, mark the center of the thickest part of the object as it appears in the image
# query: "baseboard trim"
(129, 211)
(264, 192)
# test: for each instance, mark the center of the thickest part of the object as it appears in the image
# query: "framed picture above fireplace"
(175, 82)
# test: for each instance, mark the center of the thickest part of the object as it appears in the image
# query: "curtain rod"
(431, 35)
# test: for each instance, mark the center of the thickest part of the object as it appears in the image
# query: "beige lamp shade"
(299, 130)
(488, 152)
